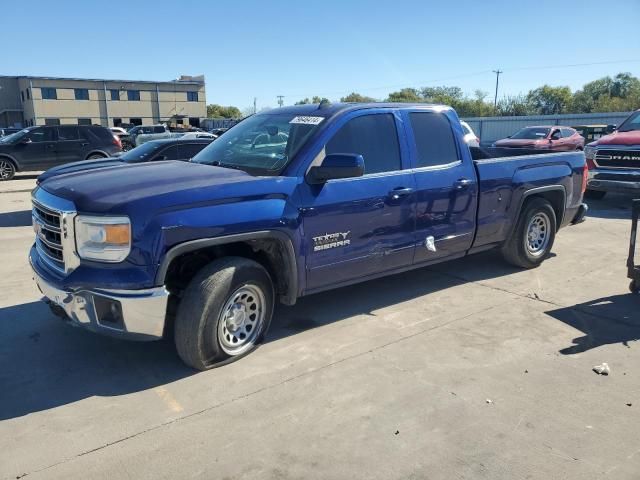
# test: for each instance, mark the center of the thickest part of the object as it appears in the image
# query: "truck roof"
(331, 109)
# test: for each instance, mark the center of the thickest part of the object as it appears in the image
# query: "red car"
(551, 137)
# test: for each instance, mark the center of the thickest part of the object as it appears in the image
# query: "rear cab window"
(435, 142)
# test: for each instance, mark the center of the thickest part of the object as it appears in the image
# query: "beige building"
(26, 101)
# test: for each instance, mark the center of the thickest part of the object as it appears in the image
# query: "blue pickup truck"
(287, 203)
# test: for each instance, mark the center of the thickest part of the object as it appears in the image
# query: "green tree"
(548, 100)
(218, 111)
(356, 97)
(514, 105)
(406, 95)
(314, 99)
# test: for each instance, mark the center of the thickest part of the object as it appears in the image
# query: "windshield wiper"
(225, 165)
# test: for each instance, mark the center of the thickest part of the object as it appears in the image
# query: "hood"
(78, 166)
(619, 138)
(518, 143)
(156, 186)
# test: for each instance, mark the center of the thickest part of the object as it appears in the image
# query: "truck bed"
(505, 174)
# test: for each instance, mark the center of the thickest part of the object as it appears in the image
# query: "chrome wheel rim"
(241, 320)
(6, 169)
(538, 234)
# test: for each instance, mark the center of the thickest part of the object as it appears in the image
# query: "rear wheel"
(224, 313)
(95, 156)
(7, 169)
(594, 194)
(532, 240)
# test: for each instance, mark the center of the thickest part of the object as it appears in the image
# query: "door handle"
(462, 183)
(84, 144)
(50, 145)
(398, 193)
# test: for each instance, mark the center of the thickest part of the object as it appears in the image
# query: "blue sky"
(300, 48)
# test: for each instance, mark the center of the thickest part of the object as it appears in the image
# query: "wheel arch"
(556, 195)
(96, 152)
(15, 163)
(272, 249)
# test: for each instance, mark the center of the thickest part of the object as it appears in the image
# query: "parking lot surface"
(470, 369)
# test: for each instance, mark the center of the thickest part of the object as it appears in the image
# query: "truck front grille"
(618, 159)
(47, 224)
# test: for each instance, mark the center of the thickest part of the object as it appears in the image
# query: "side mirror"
(160, 158)
(337, 165)
(611, 128)
(25, 141)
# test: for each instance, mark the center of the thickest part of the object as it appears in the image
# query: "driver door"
(359, 227)
(39, 151)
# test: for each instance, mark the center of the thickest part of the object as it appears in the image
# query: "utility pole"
(280, 100)
(255, 100)
(495, 99)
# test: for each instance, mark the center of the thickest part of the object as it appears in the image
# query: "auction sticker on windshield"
(307, 120)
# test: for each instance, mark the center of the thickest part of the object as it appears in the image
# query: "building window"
(133, 95)
(115, 95)
(28, 96)
(84, 121)
(49, 93)
(179, 122)
(52, 121)
(194, 121)
(192, 96)
(135, 121)
(22, 95)
(117, 121)
(81, 93)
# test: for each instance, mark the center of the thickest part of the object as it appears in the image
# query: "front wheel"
(7, 170)
(531, 241)
(224, 314)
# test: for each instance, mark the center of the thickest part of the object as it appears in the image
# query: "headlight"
(105, 239)
(589, 152)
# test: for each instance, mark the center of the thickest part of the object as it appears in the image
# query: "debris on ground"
(629, 404)
(489, 400)
(602, 369)
(526, 371)
(397, 432)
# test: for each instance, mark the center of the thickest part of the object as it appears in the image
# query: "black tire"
(95, 156)
(515, 250)
(200, 313)
(7, 169)
(634, 287)
(594, 194)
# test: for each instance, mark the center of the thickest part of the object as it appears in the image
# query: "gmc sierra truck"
(287, 203)
(614, 160)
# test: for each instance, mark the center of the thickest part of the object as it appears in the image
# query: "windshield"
(13, 136)
(631, 123)
(262, 144)
(531, 133)
(141, 153)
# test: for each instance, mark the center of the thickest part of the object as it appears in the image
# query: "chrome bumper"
(614, 180)
(132, 314)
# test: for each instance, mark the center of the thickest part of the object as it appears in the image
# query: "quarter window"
(133, 95)
(49, 93)
(374, 137)
(81, 93)
(435, 143)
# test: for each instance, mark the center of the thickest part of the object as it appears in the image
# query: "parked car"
(145, 133)
(470, 138)
(218, 131)
(614, 160)
(8, 131)
(552, 138)
(153, 151)
(42, 147)
(125, 138)
(592, 133)
(192, 135)
(337, 195)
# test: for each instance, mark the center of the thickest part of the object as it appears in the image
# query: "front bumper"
(131, 314)
(614, 180)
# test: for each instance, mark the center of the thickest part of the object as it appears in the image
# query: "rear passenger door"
(70, 146)
(446, 186)
(358, 227)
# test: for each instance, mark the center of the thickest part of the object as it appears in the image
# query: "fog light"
(108, 311)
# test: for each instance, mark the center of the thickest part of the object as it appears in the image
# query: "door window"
(189, 150)
(170, 153)
(555, 135)
(435, 143)
(374, 137)
(68, 133)
(41, 135)
(566, 132)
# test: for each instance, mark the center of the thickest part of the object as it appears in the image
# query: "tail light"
(117, 142)
(585, 177)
